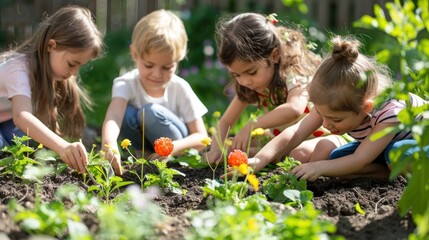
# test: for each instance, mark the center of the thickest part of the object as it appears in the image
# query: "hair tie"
(272, 18)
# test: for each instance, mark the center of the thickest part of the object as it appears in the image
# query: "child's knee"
(324, 147)
(300, 155)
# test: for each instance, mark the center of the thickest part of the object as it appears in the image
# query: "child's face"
(65, 63)
(340, 122)
(254, 75)
(155, 69)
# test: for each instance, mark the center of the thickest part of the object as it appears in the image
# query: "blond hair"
(347, 78)
(161, 30)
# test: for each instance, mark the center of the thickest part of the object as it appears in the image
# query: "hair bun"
(345, 49)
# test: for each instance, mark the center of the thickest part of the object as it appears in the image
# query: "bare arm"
(197, 132)
(110, 131)
(228, 119)
(284, 114)
(287, 140)
(74, 154)
(366, 153)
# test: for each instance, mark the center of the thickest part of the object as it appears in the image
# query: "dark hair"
(251, 37)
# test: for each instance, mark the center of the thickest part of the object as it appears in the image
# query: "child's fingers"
(78, 161)
(117, 166)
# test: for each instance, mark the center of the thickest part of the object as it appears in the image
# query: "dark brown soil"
(335, 197)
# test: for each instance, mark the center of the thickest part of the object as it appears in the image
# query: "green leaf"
(292, 194)
(417, 184)
(359, 209)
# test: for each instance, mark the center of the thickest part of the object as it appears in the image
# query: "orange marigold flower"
(253, 181)
(236, 158)
(163, 146)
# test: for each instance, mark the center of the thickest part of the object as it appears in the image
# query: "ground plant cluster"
(185, 198)
(181, 200)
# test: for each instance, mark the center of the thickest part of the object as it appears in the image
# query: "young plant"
(100, 171)
(304, 224)
(253, 219)
(52, 218)
(164, 178)
(133, 216)
(223, 144)
(190, 158)
(277, 187)
(133, 160)
(18, 158)
(233, 190)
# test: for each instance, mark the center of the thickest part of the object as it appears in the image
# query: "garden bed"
(336, 198)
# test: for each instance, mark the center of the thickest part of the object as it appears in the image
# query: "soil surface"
(335, 197)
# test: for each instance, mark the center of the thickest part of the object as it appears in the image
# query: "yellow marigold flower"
(212, 130)
(40, 146)
(125, 143)
(252, 225)
(206, 141)
(243, 169)
(257, 132)
(228, 142)
(253, 181)
(216, 114)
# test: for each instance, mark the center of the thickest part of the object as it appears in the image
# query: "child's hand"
(241, 139)
(310, 171)
(212, 156)
(74, 154)
(155, 156)
(112, 155)
(255, 163)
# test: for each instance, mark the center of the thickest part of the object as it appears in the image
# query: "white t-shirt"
(178, 96)
(14, 80)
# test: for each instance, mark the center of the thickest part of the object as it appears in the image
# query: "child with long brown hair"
(40, 94)
(270, 66)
